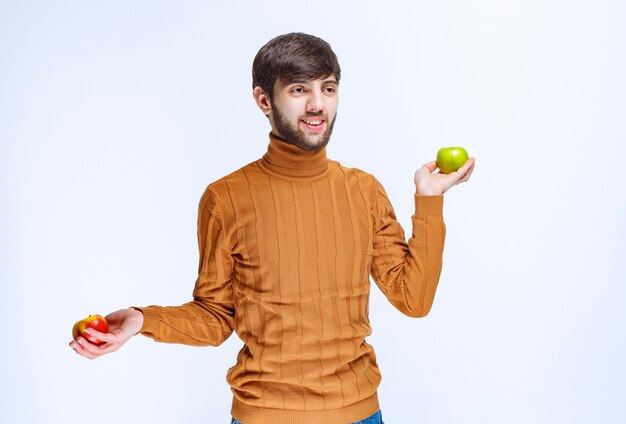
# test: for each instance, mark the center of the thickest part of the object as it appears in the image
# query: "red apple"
(97, 322)
(450, 159)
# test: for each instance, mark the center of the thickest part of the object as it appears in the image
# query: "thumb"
(431, 166)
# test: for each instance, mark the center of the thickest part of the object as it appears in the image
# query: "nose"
(315, 102)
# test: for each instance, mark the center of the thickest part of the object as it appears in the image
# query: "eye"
(329, 89)
(297, 90)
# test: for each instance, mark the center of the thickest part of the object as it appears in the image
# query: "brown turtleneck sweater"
(287, 246)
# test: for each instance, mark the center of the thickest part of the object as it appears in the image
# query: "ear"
(262, 100)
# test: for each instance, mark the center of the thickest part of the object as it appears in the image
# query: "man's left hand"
(431, 183)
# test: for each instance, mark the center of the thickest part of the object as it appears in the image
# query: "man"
(287, 247)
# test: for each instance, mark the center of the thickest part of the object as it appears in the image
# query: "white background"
(114, 116)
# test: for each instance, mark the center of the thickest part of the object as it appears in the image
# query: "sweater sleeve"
(207, 320)
(408, 273)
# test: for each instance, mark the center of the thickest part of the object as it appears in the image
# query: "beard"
(297, 137)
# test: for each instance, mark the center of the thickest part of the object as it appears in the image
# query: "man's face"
(303, 112)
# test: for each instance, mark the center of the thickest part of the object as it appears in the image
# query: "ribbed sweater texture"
(287, 247)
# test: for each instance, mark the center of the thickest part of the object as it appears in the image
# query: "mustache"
(314, 115)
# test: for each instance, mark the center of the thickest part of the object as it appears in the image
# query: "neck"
(287, 160)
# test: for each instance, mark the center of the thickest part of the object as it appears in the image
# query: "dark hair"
(293, 56)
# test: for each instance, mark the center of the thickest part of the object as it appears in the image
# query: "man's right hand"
(123, 325)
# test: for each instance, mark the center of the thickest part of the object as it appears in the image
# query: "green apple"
(450, 159)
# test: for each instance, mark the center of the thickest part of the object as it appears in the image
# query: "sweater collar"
(290, 161)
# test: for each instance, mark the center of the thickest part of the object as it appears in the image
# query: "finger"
(110, 342)
(471, 168)
(467, 176)
(431, 166)
(93, 336)
(87, 346)
(469, 164)
(466, 170)
(80, 349)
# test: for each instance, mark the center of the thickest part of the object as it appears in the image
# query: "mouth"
(313, 124)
